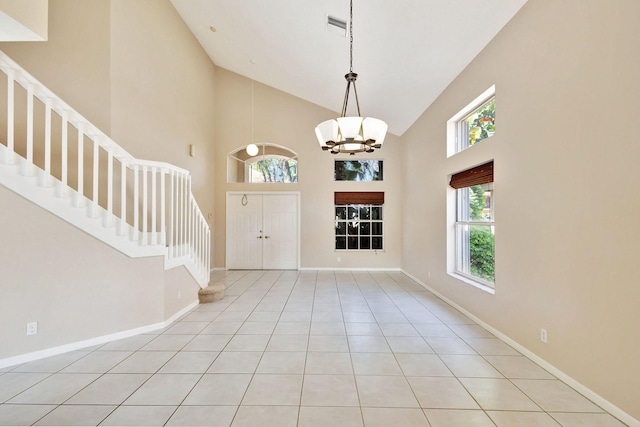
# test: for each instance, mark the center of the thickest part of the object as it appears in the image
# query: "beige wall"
(31, 14)
(134, 70)
(79, 288)
(75, 61)
(566, 174)
(162, 88)
(285, 120)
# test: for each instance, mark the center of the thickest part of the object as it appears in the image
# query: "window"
(474, 225)
(359, 221)
(358, 170)
(273, 163)
(473, 123)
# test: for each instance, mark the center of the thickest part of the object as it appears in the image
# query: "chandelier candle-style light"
(351, 134)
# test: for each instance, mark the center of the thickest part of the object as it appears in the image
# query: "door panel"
(280, 231)
(244, 224)
(262, 231)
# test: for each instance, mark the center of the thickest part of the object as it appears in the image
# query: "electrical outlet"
(339, 259)
(429, 275)
(32, 328)
(543, 335)
(179, 294)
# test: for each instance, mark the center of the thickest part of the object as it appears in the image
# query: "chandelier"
(351, 134)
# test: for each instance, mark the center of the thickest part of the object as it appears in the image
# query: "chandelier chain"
(351, 36)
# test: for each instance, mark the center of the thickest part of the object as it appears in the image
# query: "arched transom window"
(266, 163)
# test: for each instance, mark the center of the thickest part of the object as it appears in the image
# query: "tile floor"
(300, 349)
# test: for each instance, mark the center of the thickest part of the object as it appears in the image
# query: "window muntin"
(475, 233)
(272, 164)
(359, 227)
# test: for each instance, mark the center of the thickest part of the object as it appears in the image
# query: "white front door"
(262, 231)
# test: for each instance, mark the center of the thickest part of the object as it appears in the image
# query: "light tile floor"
(301, 349)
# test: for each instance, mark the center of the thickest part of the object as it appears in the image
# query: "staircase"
(57, 159)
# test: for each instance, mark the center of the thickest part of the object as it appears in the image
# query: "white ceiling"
(405, 52)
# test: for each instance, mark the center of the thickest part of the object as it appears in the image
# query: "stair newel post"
(80, 194)
(96, 176)
(190, 219)
(163, 207)
(208, 253)
(183, 219)
(123, 197)
(47, 144)
(64, 154)
(180, 216)
(201, 242)
(29, 165)
(136, 204)
(145, 207)
(109, 217)
(154, 206)
(10, 117)
(196, 246)
(172, 221)
(200, 260)
(187, 232)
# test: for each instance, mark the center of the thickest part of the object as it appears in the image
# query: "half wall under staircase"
(57, 159)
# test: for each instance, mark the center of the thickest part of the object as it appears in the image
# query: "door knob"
(258, 237)
(267, 237)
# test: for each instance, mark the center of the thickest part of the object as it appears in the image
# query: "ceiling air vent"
(338, 26)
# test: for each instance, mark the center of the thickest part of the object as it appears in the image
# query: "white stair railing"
(61, 161)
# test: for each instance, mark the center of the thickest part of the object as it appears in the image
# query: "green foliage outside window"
(276, 170)
(481, 239)
(358, 170)
(482, 257)
(482, 122)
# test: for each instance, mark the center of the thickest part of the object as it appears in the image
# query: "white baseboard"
(577, 386)
(54, 351)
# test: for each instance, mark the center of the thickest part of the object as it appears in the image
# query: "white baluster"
(10, 158)
(145, 240)
(154, 208)
(172, 216)
(29, 169)
(80, 195)
(64, 154)
(208, 256)
(163, 206)
(136, 204)
(109, 218)
(46, 180)
(123, 197)
(96, 176)
(192, 226)
(184, 200)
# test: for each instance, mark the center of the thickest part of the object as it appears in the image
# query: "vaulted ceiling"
(405, 52)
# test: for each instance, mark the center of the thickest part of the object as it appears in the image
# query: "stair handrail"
(189, 233)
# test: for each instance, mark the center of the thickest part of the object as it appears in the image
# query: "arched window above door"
(271, 163)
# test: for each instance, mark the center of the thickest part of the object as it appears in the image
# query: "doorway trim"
(262, 193)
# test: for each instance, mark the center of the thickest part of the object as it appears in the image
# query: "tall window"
(472, 124)
(359, 221)
(474, 227)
